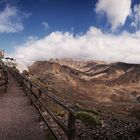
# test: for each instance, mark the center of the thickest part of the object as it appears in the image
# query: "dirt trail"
(18, 119)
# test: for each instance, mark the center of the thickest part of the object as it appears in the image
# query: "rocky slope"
(93, 81)
(111, 89)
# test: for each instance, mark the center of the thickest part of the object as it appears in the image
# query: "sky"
(107, 30)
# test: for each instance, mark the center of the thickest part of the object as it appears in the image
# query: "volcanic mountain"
(112, 90)
(92, 81)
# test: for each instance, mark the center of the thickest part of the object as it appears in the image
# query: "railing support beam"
(71, 126)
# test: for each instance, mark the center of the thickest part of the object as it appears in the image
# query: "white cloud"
(45, 25)
(10, 22)
(136, 16)
(115, 10)
(94, 45)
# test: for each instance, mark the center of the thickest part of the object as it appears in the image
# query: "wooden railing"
(3, 78)
(57, 115)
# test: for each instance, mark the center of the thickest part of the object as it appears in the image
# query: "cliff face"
(89, 80)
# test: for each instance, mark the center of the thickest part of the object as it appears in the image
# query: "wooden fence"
(57, 115)
(3, 78)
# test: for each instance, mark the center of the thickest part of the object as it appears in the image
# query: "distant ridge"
(89, 80)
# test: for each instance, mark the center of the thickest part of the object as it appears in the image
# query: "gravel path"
(18, 119)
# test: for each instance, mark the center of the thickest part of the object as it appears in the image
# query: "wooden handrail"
(69, 129)
(49, 94)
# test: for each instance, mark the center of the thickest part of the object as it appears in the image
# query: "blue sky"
(31, 21)
(61, 15)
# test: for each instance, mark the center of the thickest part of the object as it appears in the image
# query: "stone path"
(18, 119)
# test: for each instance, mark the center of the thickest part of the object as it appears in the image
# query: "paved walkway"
(18, 119)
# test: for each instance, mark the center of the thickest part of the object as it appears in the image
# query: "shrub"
(89, 118)
(91, 111)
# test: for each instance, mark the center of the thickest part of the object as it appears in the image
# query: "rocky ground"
(113, 128)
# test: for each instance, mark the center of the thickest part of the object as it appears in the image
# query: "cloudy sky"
(106, 30)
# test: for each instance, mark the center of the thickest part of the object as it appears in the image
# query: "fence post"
(30, 93)
(31, 88)
(6, 83)
(19, 80)
(71, 126)
(6, 78)
(39, 93)
(23, 85)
